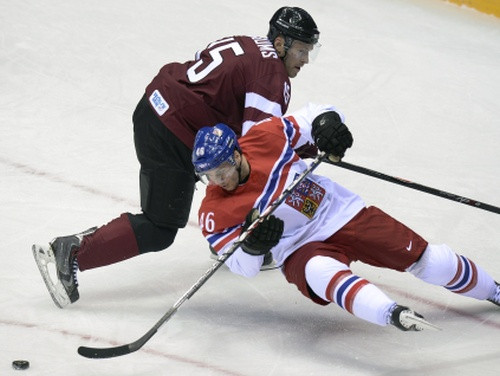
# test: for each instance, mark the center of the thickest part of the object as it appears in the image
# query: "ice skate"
(495, 299)
(406, 319)
(61, 278)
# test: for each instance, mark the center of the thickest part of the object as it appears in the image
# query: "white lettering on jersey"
(207, 222)
(159, 103)
(216, 56)
(266, 48)
(286, 92)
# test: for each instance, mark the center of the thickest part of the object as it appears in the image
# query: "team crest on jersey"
(306, 198)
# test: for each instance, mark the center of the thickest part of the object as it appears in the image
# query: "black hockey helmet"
(295, 23)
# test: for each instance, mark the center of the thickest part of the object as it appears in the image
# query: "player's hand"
(265, 236)
(331, 135)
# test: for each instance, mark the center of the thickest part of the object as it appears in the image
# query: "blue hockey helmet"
(213, 146)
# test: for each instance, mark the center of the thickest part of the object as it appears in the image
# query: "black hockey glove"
(331, 135)
(265, 236)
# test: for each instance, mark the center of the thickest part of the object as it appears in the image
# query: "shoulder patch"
(158, 102)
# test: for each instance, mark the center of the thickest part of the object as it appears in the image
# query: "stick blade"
(104, 353)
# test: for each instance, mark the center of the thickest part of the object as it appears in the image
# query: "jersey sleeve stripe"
(296, 135)
(263, 104)
(219, 240)
(279, 172)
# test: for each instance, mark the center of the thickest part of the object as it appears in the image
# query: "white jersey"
(314, 211)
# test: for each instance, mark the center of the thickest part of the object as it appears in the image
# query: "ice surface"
(419, 83)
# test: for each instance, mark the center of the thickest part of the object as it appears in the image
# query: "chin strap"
(238, 169)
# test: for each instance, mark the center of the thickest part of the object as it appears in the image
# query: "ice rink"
(419, 83)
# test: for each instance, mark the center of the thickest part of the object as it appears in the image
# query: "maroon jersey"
(237, 80)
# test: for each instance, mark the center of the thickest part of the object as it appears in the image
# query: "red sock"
(111, 243)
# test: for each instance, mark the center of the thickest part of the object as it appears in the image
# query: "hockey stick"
(418, 187)
(109, 352)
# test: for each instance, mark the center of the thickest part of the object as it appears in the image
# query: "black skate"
(406, 319)
(61, 252)
(495, 299)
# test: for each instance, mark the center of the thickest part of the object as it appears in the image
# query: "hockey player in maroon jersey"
(238, 80)
(321, 227)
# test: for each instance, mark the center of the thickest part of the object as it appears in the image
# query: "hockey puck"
(20, 364)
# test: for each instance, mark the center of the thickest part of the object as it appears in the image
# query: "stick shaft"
(419, 187)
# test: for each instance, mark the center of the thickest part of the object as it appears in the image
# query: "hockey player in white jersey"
(321, 227)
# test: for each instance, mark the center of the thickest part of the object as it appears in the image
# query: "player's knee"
(166, 196)
(437, 265)
(319, 272)
(150, 237)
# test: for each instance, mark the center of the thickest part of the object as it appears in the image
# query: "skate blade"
(263, 268)
(409, 319)
(43, 257)
(271, 266)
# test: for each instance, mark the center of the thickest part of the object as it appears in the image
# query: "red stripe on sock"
(113, 242)
(351, 295)
(332, 285)
(473, 279)
(458, 273)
